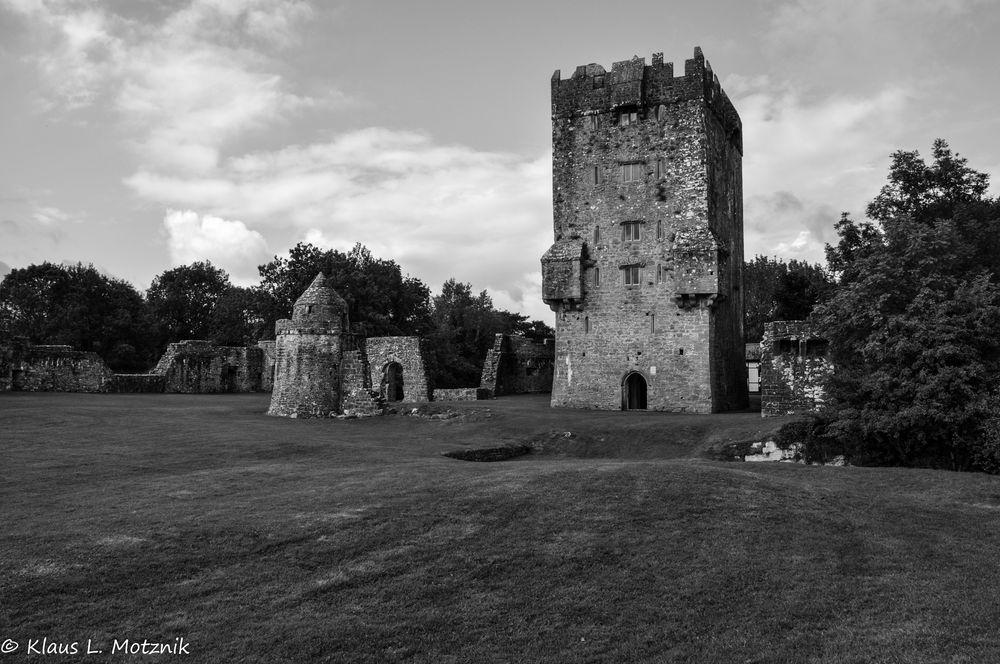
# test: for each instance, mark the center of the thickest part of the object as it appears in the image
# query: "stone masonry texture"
(308, 354)
(793, 368)
(383, 352)
(518, 365)
(645, 272)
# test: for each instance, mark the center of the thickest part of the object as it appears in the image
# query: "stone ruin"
(321, 370)
(518, 365)
(191, 366)
(793, 368)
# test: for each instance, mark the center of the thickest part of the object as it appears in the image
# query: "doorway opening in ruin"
(392, 382)
(634, 392)
(229, 378)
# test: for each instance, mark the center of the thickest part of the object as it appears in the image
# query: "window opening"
(632, 275)
(633, 172)
(631, 231)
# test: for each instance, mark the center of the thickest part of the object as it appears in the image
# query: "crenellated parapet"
(632, 83)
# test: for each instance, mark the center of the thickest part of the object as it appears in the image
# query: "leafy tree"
(182, 301)
(775, 290)
(380, 300)
(238, 317)
(78, 306)
(914, 323)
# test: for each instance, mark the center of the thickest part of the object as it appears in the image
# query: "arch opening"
(634, 391)
(392, 382)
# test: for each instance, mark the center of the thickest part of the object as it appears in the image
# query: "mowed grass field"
(262, 539)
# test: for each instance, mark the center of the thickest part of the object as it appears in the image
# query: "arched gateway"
(634, 391)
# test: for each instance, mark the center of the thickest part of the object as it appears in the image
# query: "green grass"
(272, 540)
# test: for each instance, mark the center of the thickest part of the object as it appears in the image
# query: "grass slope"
(271, 540)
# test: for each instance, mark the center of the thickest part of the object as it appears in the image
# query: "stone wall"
(267, 369)
(461, 394)
(793, 367)
(518, 365)
(645, 274)
(199, 367)
(359, 398)
(51, 369)
(137, 383)
(405, 382)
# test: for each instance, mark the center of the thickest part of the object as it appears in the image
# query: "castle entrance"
(392, 382)
(634, 392)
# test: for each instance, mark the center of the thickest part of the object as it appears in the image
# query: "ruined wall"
(359, 398)
(51, 369)
(137, 383)
(645, 274)
(267, 368)
(461, 394)
(405, 352)
(793, 368)
(518, 365)
(199, 367)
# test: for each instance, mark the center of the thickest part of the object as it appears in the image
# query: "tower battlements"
(632, 83)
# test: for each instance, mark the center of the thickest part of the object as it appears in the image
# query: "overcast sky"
(138, 135)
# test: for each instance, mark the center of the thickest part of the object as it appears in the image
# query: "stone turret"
(308, 354)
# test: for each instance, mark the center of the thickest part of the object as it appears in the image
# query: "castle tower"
(308, 353)
(646, 271)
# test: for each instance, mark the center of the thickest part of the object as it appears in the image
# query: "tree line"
(79, 306)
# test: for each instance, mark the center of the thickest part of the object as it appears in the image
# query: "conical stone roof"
(319, 302)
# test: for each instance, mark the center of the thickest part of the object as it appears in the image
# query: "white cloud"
(808, 159)
(226, 243)
(185, 86)
(440, 211)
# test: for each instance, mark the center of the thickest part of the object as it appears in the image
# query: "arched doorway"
(634, 392)
(392, 381)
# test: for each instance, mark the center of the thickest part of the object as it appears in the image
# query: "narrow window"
(658, 272)
(659, 229)
(597, 234)
(586, 324)
(633, 172)
(594, 175)
(661, 168)
(309, 308)
(597, 276)
(632, 275)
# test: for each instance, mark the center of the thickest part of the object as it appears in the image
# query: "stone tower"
(646, 271)
(308, 354)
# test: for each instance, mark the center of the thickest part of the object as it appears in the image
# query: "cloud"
(226, 243)
(185, 86)
(808, 159)
(440, 211)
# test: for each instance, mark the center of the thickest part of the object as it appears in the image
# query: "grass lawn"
(262, 539)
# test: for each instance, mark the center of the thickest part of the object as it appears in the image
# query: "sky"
(139, 135)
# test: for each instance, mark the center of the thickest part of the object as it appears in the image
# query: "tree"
(775, 290)
(80, 307)
(914, 323)
(380, 300)
(182, 301)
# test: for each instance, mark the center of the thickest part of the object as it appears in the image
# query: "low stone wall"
(137, 383)
(518, 365)
(405, 352)
(793, 368)
(461, 394)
